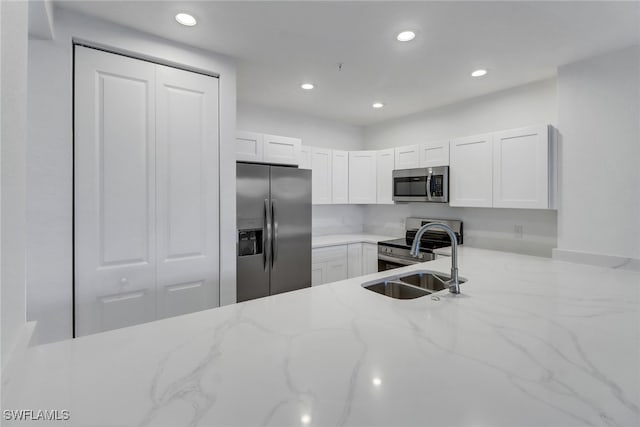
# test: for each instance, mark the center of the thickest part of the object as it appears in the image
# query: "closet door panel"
(114, 191)
(187, 191)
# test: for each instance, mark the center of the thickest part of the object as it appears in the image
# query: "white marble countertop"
(529, 342)
(345, 239)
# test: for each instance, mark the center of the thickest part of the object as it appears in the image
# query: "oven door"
(386, 262)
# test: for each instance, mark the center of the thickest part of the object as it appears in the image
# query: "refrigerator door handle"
(274, 244)
(266, 236)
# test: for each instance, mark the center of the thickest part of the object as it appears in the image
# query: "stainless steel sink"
(409, 286)
(397, 290)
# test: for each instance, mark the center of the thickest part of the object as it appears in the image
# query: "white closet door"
(115, 202)
(187, 191)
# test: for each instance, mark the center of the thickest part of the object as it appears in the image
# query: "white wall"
(534, 103)
(313, 131)
(326, 219)
(599, 122)
(49, 159)
(13, 137)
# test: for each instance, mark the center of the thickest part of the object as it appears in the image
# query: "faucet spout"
(454, 284)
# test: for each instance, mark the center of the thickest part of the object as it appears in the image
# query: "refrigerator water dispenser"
(249, 242)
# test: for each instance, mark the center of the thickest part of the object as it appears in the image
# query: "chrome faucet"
(454, 285)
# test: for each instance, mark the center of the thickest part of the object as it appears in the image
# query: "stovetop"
(405, 243)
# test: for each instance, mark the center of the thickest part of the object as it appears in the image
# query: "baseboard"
(600, 260)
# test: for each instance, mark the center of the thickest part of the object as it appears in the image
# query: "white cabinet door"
(318, 273)
(187, 191)
(434, 154)
(115, 191)
(370, 258)
(281, 149)
(408, 157)
(336, 270)
(340, 177)
(521, 168)
(248, 146)
(305, 157)
(362, 177)
(384, 180)
(321, 176)
(471, 171)
(354, 257)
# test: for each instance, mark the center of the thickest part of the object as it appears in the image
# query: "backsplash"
(337, 219)
(531, 232)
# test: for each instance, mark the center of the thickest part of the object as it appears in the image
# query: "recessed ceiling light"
(307, 86)
(377, 105)
(186, 19)
(479, 73)
(305, 419)
(406, 36)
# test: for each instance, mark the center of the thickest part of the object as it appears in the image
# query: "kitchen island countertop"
(529, 342)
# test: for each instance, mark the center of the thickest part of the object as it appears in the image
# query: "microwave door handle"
(428, 185)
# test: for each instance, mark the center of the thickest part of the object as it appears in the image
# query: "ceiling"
(279, 45)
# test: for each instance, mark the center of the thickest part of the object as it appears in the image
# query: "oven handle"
(400, 261)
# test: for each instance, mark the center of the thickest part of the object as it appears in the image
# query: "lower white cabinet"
(335, 263)
(354, 258)
(369, 258)
(328, 264)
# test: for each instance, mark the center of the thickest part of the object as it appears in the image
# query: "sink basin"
(410, 286)
(397, 290)
(429, 280)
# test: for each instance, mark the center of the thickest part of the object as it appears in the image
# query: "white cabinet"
(471, 171)
(521, 168)
(362, 177)
(304, 161)
(354, 258)
(340, 177)
(407, 157)
(384, 172)
(281, 150)
(263, 148)
(249, 146)
(434, 154)
(328, 264)
(321, 181)
(369, 258)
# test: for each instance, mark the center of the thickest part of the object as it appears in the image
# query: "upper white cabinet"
(362, 177)
(263, 148)
(321, 181)
(407, 157)
(509, 169)
(471, 172)
(384, 171)
(340, 177)
(521, 168)
(249, 146)
(281, 149)
(434, 154)
(304, 161)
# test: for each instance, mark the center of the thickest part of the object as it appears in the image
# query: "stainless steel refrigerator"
(274, 230)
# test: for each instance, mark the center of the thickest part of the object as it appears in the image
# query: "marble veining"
(529, 342)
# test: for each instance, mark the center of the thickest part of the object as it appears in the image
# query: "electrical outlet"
(518, 231)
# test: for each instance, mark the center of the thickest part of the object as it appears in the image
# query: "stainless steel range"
(395, 253)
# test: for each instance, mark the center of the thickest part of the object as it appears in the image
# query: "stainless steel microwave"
(421, 185)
